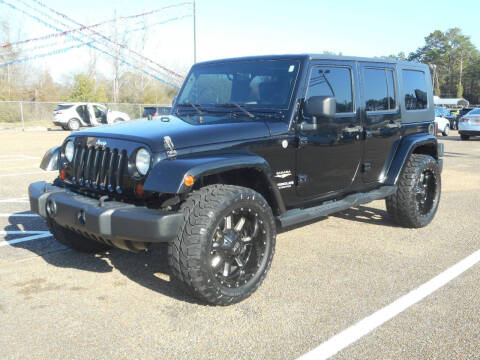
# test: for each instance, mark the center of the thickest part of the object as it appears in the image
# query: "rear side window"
(415, 88)
(63, 107)
(379, 89)
(474, 112)
(332, 82)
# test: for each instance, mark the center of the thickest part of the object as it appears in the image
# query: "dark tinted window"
(255, 84)
(334, 82)
(379, 90)
(415, 89)
(63, 107)
(148, 111)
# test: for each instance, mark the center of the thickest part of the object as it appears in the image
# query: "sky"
(231, 28)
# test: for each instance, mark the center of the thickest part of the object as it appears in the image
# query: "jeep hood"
(184, 132)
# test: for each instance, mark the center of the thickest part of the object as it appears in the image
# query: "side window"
(415, 89)
(333, 82)
(379, 89)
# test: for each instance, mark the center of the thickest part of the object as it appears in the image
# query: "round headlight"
(69, 150)
(142, 161)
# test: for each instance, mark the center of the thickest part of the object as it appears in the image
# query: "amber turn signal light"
(188, 180)
(139, 190)
(62, 174)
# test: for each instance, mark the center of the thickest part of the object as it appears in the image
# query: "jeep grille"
(99, 168)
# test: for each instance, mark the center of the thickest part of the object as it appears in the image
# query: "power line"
(107, 39)
(63, 33)
(90, 45)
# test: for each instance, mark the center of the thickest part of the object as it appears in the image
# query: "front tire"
(418, 194)
(225, 248)
(464, 137)
(74, 240)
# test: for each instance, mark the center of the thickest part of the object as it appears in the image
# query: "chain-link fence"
(28, 114)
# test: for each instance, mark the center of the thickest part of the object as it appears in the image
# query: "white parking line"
(22, 174)
(370, 323)
(22, 232)
(18, 215)
(18, 156)
(15, 200)
(45, 234)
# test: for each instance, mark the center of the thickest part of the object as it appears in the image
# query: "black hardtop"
(310, 57)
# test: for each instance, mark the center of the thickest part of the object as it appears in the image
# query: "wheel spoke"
(228, 222)
(217, 261)
(240, 224)
(227, 268)
(239, 261)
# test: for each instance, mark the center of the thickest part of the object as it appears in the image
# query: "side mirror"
(320, 106)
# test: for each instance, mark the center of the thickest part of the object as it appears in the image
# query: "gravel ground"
(327, 275)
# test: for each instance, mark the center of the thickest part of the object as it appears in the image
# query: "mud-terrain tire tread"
(184, 252)
(74, 240)
(402, 206)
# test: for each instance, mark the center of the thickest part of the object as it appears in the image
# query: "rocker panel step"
(296, 216)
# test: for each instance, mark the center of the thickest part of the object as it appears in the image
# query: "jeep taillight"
(58, 112)
(463, 119)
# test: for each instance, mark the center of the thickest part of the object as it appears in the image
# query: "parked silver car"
(469, 124)
(71, 116)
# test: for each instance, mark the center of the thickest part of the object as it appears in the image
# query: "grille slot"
(99, 168)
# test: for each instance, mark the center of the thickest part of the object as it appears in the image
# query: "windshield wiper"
(195, 106)
(246, 112)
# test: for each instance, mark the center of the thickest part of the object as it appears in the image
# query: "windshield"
(253, 84)
(475, 112)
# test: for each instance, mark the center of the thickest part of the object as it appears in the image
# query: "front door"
(382, 123)
(328, 157)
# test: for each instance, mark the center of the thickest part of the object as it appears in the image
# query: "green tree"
(83, 89)
(451, 52)
(86, 89)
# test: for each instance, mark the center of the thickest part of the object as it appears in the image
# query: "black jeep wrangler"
(252, 144)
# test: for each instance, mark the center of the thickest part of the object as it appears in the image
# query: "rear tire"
(74, 240)
(118, 120)
(418, 194)
(464, 137)
(446, 131)
(226, 245)
(73, 124)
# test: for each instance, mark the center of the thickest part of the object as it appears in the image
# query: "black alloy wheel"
(425, 193)
(237, 248)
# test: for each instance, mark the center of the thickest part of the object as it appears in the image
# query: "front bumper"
(110, 220)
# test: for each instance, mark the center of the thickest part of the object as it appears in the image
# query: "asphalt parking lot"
(326, 276)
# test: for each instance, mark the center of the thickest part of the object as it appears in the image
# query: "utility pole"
(194, 34)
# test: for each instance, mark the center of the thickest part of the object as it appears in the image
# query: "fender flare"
(50, 159)
(406, 147)
(167, 175)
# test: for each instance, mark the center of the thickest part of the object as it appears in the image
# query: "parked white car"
(469, 124)
(443, 125)
(71, 116)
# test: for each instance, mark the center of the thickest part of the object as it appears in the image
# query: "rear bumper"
(112, 220)
(469, 132)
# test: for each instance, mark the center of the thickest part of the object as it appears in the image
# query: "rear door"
(382, 123)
